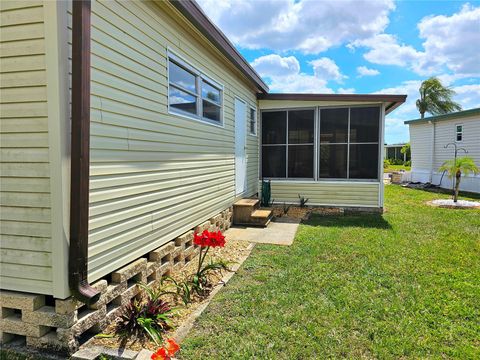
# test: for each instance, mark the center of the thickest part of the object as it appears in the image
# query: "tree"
(406, 149)
(435, 98)
(463, 165)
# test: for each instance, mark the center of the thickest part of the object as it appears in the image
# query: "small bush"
(149, 316)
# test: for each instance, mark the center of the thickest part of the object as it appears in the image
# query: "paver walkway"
(278, 232)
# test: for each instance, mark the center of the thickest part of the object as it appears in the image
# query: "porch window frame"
(286, 144)
(199, 78)
(348, 143)
(316, 145)
(458, 132)
(254, 108)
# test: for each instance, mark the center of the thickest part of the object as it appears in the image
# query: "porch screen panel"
(288, 144)
(349, 143)
(274, 144)
(363, 146)
(333, 143)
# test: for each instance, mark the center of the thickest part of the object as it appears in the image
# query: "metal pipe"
(80, 155)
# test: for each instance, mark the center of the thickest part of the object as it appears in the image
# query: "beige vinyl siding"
(326, 193)
(153, 175)
(445, 133)
(421, 146)
(26, 257)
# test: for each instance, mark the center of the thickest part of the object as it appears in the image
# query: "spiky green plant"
(435, 98)
(148, 316)
(463, 165)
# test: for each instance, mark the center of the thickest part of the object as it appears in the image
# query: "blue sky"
(355, 46)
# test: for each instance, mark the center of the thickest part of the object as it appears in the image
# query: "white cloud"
(452, 41)
(275, 65)
(365, 71)
(449, 45)
(300, 83)
(285, 74)
(309, 26)
(346, 91)
(384, 49)
(326, 69)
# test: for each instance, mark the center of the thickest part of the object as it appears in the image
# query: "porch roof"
(391, 101)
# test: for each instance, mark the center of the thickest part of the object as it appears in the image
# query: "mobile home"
(127, 125)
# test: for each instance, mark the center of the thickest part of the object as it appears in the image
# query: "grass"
(392, 168)
(402, 285)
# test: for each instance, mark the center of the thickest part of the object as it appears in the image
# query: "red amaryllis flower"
(166, 352)
(217, 239)
(172, 347)
(201, 239)
(161, 354)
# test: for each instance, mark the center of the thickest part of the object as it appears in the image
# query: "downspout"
(80, 155)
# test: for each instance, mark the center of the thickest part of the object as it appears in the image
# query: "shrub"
(408, 163)
(303, 201)
(149, 316)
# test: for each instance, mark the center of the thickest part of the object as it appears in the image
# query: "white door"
(240, 145)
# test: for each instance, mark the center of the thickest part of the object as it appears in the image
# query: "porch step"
(261, 217)
(247, 212)
(247, 202)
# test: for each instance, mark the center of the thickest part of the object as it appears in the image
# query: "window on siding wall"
(252, 121)
(349, 147)
(288, 144)
(458, 132)
(192, 94)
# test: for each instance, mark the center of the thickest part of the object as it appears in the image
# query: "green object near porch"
(266, 193)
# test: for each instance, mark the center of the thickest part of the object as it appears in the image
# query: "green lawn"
(392, 168)
(402, 285)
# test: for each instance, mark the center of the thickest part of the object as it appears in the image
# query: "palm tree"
(435, 98)
(463, 165)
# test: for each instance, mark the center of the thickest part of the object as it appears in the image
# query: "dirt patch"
(233, 252)
(303, 213)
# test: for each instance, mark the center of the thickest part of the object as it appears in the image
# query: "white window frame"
(255, 119)
(286, 144)
(199, 77)
(348, 143)
(458, 132)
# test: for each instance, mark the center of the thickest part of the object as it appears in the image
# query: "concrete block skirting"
(63, 325)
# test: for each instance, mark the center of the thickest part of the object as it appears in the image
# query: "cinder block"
(130, 271)
(112, 291)
(50, 341)
(47, 316)
(22, 301)
(204, 226)
(88, 319)
(164, 250)
(67, 306)
(184, 238)
(129, 294)
(14, 325)
(216, 219)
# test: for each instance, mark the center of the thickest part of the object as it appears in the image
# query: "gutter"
(80, 155)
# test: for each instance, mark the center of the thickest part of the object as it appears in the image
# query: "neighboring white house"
(429, 138)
